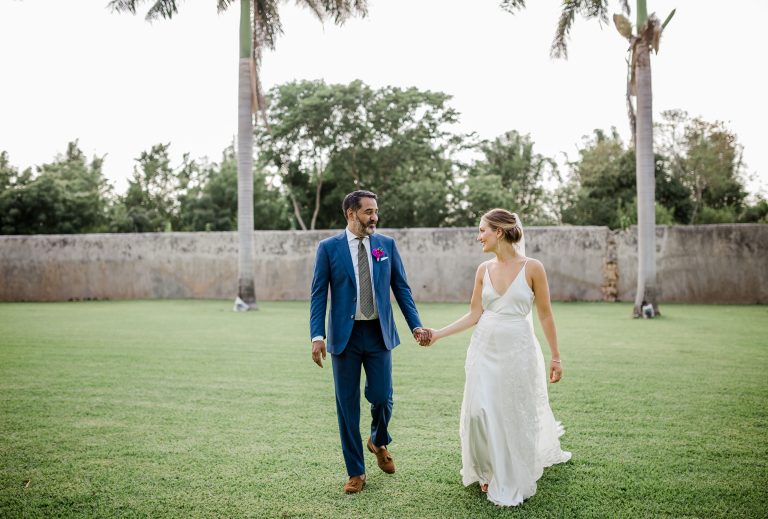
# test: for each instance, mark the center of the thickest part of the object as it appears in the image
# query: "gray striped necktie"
(366, 289)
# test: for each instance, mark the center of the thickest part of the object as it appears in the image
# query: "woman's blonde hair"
(508, 222)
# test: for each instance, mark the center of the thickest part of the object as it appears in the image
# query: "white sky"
(74, 70)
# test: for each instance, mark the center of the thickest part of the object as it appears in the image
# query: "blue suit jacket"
(334, 269)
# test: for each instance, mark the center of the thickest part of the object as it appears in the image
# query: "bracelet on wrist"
(558, 361)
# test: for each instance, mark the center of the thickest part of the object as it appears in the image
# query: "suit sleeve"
(319, 295)
(402, 291)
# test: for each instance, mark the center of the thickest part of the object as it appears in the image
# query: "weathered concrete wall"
(708, 264)
(701, 263)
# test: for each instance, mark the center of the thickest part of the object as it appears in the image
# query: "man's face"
(362, 222)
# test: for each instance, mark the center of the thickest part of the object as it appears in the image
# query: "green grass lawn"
(186, 409)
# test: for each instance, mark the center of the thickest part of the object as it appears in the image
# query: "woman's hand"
(555, 370)
(430, 339)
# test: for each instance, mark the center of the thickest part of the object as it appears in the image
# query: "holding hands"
(425, 336)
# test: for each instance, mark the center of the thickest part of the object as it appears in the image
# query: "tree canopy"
(327, 140)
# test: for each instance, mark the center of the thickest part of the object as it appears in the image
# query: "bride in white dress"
(508, 432)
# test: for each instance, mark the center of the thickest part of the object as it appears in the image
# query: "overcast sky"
(74, 70)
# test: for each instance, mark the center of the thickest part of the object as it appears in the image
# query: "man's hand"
(318, 350)
(423, 336)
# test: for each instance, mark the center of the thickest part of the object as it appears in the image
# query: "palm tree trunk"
(246, 290)
(646, 184)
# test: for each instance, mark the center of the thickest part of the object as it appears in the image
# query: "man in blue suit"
(360, 267)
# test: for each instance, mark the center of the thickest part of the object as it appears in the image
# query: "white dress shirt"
(354, 244)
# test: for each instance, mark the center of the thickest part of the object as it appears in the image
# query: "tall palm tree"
(259, 28)
(647, 36)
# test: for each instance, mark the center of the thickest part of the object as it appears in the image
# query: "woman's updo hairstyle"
(508, 222)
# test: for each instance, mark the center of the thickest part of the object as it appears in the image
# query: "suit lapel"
(376, 264)
(346, 259)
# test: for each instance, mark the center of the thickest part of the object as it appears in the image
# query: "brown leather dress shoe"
(383, 457)
(355, 484)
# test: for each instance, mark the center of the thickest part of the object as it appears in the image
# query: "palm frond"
(587, 9)
(666, 21)
(625, 7)
(120, 6)
(162, 9)
(341, 10)
(315, 7)
(512, 5)
(266, 20)
(595, 9)
(266, 25)
(567, 15)
(223, 5)
(159, 8)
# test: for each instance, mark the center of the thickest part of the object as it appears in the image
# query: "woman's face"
(487, 237)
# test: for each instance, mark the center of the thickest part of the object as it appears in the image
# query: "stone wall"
(697, 264)
(702, 263)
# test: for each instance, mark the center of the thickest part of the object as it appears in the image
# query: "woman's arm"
(546, 318)
(470, 318)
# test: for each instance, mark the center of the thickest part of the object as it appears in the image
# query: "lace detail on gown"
(508, 432)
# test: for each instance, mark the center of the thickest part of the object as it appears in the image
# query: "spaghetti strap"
(524, 276)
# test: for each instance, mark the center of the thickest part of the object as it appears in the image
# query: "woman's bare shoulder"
(535, 265)
(484, 265)
(480, 272)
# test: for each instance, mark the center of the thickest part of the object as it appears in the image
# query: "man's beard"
(365, 229)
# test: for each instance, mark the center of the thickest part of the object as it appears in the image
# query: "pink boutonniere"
(377, 253)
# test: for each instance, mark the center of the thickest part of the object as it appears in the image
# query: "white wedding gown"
(508, 432)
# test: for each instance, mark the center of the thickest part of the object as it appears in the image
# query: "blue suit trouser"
(365, 349)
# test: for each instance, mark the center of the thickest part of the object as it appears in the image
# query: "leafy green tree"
(8, 173)
(150, 203)
(259, 28)
(706, 158)
(327, 140)
(11, 183)
(211, 203)
(421, 197)
(603, 187)
(66, 196)
(510, 175)
(756, 213)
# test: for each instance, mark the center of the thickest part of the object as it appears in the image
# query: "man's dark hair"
(352, 200)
